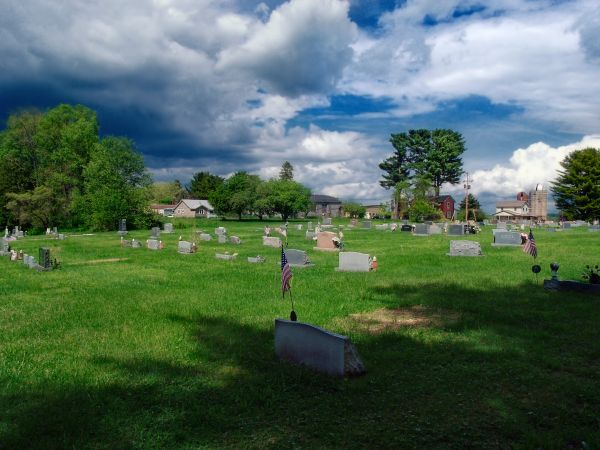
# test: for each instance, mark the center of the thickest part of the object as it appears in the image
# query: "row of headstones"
(16, 233)
(45, 262)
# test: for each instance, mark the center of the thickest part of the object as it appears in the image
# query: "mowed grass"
(131, 348)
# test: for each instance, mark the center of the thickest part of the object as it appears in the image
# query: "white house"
(509, 210)
(193, 208)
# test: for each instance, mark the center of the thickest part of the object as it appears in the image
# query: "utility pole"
(467, 184)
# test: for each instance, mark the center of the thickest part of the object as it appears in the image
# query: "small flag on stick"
(286, 273)
(530, 246)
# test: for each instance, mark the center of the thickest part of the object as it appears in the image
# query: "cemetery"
(459, 351)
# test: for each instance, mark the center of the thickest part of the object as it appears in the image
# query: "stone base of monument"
(573, 286)
(316, 348)
(323, 249)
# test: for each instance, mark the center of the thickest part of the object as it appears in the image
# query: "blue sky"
(245, 85)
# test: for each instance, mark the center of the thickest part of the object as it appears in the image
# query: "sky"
(230, 85)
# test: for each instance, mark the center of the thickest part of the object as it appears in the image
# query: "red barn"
(445, 204)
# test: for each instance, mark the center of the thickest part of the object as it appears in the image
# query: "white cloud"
(537, 163)
(302, 49)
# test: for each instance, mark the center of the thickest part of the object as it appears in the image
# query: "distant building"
(325, 205)
(193, 208)
(163, 210)
(372, 211)
(538, 203)
(527, 207)
(512, 210)
(445, 203)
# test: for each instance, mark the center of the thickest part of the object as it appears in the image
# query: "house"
(445, 203)
(193, 208)
(512, 210)
(163, 210)
(527, 207)
(325, 205)
(372, 211)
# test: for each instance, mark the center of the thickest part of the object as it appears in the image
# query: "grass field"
(131, 348)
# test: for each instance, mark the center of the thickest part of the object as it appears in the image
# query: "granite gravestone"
(319, 349)
(310, 234)
(456, 230)
(501, 226)
(205, 237)
(366, 225)
(309, 226)
(222, 239)
(168, 228)
(434, 229)
(381, 226)
(136, 244)
(155, 232)
(421, 229)
(235, 240)
(354, 262)
(256, 259)
(271, 241)
(326, 221)
(122, 227)
(406, 228)
(153, 244)
(185, 247)
(566, 226)
(297, 258)
(225, 256)
(507, 239)
(220, 231)
(325, 241)
(299, 227)
(465, 248)
(45, 261)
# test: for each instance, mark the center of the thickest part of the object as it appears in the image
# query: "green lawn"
(162, 350)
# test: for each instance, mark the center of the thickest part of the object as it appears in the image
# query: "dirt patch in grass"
(98, 261)
(384, 319)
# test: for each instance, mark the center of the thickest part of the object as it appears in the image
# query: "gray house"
(325, 206)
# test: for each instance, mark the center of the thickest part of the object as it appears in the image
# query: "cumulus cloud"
(302, 49)
(537, 163)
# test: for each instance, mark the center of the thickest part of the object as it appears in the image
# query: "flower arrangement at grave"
(592, 274)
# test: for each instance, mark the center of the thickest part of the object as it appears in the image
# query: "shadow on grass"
(494, 380)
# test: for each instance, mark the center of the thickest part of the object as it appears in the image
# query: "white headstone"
(354, 262)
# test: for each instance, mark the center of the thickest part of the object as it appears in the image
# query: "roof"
(161, 206)
(510, 204)
(318, 198)
(196, 204)
(443, 198)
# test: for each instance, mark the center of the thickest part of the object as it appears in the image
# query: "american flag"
(530, 246)
(286, 273)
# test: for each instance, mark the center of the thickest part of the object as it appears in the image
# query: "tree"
(203, 184)
(237, 194)
(167, 192)
(354, 210)
(577, 188)
(285, 197)
(431, 154)
(474, 208)
(117, 186)
(287, 172)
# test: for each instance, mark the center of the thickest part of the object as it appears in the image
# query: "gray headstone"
(381, 226)
(205, 237)
(434, 229)
(319, 349)
(465, 248)
(297, 258)
(594, 228)
(136, 244)
(122, 227)
(168, 227)
(309, 226)
(507, 238)
(225, 256)
(44, 256)
(299, 227)
(153, 244)
(366, 225)
(222, 239)
(125, 243)
(421, 229)
(256, 259)
(326, 221)
(271, 241)
(456, 230)
(220, 231)
(354, 262)
(235, 240)
(310, 234)
(566, 226)
(4, 245)
(185, 247)
(501, 226)
(155, 232)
